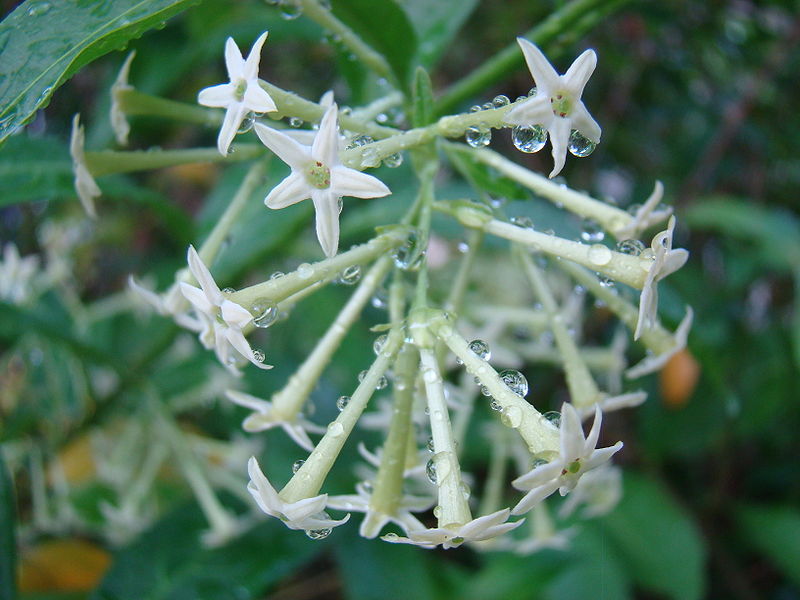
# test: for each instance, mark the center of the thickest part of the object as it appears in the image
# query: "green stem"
(109, 162)
(133, 102)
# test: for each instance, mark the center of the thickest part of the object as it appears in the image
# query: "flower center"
(572, 467)
(319, 175)
(561, 103)
(239, 89)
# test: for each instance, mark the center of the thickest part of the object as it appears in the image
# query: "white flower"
(665, 262)
(264, 418)
(242, 95)
(307, 514)
(16, 274)
(318, 174)
(171, 303)
(119, 124)
(577, 455)
(482, 528)
(85, 184)
(557, 106)
(222, 319)
(651, 364)
(608, 403)
(646, 215)
(598, 491)
(374, 521)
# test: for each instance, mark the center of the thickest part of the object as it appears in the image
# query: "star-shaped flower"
(264, 418)
(598, 491)
(373, 520)
(16, 274)
(318, 174)
(222, 319)
(578, 454)
(242, 95)
(652, 363)
(85, 185)
(307, 514)
(665, 262)
(557, 106)
(482, 528)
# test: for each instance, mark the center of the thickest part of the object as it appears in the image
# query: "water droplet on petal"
(579, 144)
(276, 275)
(258, 356)
(358, 141)
(295, 122)
(431, 447)
(529, 139)
(247, 123)
(511, 416)
(350, 275)
(495, 405)
(478, 137)
(318, 534)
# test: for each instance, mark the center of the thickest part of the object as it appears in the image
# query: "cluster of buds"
(442, 346)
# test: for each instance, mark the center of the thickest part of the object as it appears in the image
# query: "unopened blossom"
(317, 173)
(654, 362)
(242, 95)
(265, 417)
(375, 520)
(119, 124)
(557, 105)
(85, 185)
(222, 319)
(307, 514)
(16, 274)
(665, 262)
(577, 455)
(452, 536)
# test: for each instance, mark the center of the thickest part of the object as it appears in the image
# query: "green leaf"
(386, 28)
(8, 546)
(422, 99)
(34, 169)
(43, 43)
(774, 531)
(169, 561)
(436, 23)
(657, 540)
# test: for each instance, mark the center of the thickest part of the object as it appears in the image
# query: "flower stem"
(133, 102)
(109, 162)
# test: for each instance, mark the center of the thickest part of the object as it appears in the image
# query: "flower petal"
(262, 491)
(298, 435)
(235, 314)
(250, 70)
(533, 111)
(197, 298)
(326, 206)
(291, 190)
(258, 100)
(203, 277)
(216, 96)
(543, 73)
(572, 439)
(242, 346)
(256, 404)
(349, 182)
(579, 72)
(234, 115)
(536, 495)
(326, 145)
(288, 150)
(559, 131)
(583, 122)
(594, 433)
(234, 63)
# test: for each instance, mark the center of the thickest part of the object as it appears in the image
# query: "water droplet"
(335, 428)
(358, 141)
(247, 123)
(276, 275)
(487, 106)
(500, 100)
(495, 405)
(532, 92)
(553, 416)
(430, 470)
(382, 118)
(297, 464)
(515, 381)
(465, 490)
(430, 376)
(38, 8)
(481, 349)
(437, 510)
(258, 356)
(381, 383)
(318, 534)
(538, 461)
(522, 221)
(475, 108)
(599, 254)
(579, 144)
(529, 139)
(431, 447)
(390, 537)
(290, 11)
(380, 299)
(266, 312)
(521, 98)
(630, 247)
(409, 256)
(497, 201)
(228, 290)
(379, 343)
(350, 275)
(342, 402)
(478, 137)
(485, 391)
(604, 280)
(591, 231)
(393, 160)
(463, 247)
(305, 270)
(511, 416)
(295, 122)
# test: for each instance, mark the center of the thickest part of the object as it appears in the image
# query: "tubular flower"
(242, 95)
(318, 174)
(556, 107)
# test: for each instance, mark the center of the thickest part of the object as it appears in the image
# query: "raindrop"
(381, 383)
(410, 254)
(463, 247)
(276, 275)
(38, 8)
(305, 270)
(350, 275)
(529, 139)
(599, 254)
(531, 92)
(495, 405)
(605, 281)
(295, 122)
(511, 416)
(290, 11)
(393, 160)
(339, 204)
(430, 470)
(318, 534)
(465, 490)
(485, 391)
(500, 100)
(515, 381)
(591, 231)
(335, 428)
(358, 141)
(481, 349)
(247, 123)
(430, 376)
(522, 221)
(342, 402)
(579, 144)
(380, 299)
(630, 247)
(266, 312)
(475, 108)
(553, 416)
(487, 106)
(297, 464)
(258, 356)
(431, 447)
(228, 290)
(379, 343)
(478, 137)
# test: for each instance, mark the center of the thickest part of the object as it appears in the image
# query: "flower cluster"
(444, 347)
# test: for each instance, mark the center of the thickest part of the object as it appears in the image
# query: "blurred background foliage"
(699, 95)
